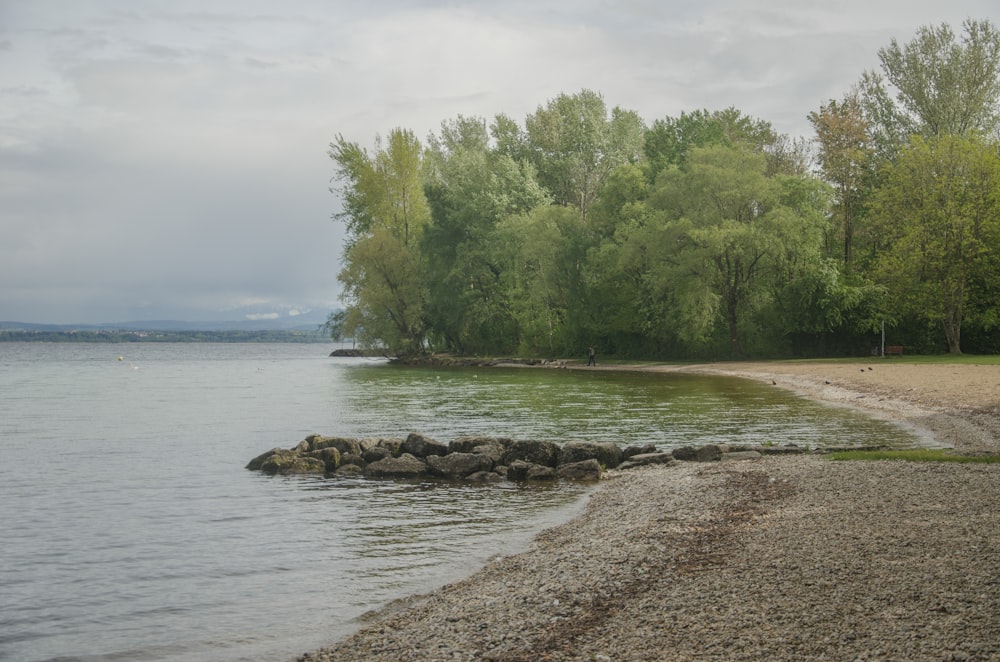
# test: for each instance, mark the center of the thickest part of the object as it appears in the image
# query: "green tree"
(385, 213)
(845, 159)
(938, 216)
(731, 235)
(935, 85)
(575, 146)
(470, 189)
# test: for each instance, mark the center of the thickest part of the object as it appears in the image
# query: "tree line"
(706, 235)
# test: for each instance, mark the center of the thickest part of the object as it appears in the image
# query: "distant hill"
(306, 322)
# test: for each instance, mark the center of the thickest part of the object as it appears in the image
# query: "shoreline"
(784, 558)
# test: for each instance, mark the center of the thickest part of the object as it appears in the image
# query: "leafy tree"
(939, 225)
(385, 213)
(575, 146)
(471, 188)
(845, 159)
(941, 86)
(731, 233)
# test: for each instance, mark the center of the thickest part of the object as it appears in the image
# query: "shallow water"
(132, 530)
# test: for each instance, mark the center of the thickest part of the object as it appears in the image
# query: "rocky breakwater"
(480, 459)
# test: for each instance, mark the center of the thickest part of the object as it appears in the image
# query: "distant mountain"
(305, 322)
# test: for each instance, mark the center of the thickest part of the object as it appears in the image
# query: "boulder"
(470, 444)
(606, 453)
(740, 455)
(706, 453)
(585, 470)
(255, 464)
(397, 467)
(645, 459)
(458, 465)
(522, 470)
(330, 456)
(391, 445)
(349, 470)
(629, 451)
(545, 453)
(418, 445)
(375, 453)
(287, 464)
(345, 445)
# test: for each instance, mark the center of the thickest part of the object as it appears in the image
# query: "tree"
(470, 189)
(938, 216)
(385, 213)
(731, 233)
(845, 157)
(574, 146)
(942, 86)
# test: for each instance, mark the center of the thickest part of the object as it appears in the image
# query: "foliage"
(938, 218)
(700, 236)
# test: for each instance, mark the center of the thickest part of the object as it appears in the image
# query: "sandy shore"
(778, 558)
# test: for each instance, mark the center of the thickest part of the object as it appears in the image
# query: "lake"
(131, 529)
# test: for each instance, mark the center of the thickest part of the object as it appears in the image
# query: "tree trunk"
(735, 351)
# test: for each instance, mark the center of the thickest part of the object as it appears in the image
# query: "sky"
(168, 159)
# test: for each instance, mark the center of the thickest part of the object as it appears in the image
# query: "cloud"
(164, 157)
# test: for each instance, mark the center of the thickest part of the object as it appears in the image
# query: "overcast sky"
(169, 159)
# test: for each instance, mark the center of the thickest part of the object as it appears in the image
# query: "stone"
(522, 470)
(343, 444)
(471, 443)
(645, 459)
(287, 464)
(349, 470)
(330, 456)
(458, 465)
(396, 467)
(645, 449)
(418, 445)
(375, 453)
(706, 453)
(255, 464)
(545, 453)
(607, 454)
(585, 470)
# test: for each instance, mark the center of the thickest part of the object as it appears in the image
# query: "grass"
(915, 455)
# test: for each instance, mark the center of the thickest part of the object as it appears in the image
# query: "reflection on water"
(668, 410)
(132, 531)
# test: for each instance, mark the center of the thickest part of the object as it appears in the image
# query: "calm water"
(131, 531)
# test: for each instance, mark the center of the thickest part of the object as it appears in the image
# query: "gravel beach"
(772, 558)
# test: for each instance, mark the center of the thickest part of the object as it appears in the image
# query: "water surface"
(132, 531)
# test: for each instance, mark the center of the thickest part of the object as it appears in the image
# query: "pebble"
(778, 558)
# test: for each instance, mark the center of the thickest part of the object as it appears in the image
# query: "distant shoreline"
(115, 336)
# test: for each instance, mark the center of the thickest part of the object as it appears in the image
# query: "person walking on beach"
(591, 357)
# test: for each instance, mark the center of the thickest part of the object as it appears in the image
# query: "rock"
(303, 447)
(458, 465)
(630, 451)
(395, 467)
(607, 454)
(352, 458)
(470, 444)
(522, 470)
(545, 453)
(343, 444)
(255, 464)
(645, 459)
(349, 470)
(706, 453)
(375, 453)
(585, 470)
(330, 456)
(418, 445)
(290, 463)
